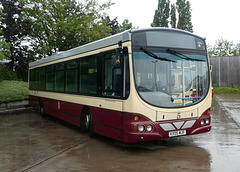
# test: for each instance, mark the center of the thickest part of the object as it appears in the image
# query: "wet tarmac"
(31, 143)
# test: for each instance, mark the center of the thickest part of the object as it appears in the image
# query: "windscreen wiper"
(155, 56)
(182, 56)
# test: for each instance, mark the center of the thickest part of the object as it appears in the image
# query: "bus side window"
(112, 77)
(88, 75)
(72, 76)
(50, 78)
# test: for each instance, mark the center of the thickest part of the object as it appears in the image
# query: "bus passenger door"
(109, 120)
(112, 76)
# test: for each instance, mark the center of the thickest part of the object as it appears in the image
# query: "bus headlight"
(141, 128)
(208, 121)
(202, 122)
(149, 128)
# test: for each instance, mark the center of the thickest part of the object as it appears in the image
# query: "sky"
(212, 19)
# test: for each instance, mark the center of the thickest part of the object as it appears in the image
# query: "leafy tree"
(236, 50)
(126, 25)
(113, 24)
(224, 48)
(14, 30)
(182, 8)
(4, 49)
(184, 15)
(4, 46)
(116, 27)
(173, 21)
(161, 14)
(59, 25)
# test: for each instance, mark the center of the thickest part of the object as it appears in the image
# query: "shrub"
(226, 90)
(6, 74)
(13, 91)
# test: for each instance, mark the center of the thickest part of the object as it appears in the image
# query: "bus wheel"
(41, 109)
(87, 122)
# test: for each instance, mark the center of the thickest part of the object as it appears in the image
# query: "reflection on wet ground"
(105, 155)
(32, 143)
(26, 138)
(223, 142)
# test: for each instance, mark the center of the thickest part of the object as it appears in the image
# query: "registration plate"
(177, 133)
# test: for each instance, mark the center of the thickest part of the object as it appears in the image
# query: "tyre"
(87, 123)
(41, 109)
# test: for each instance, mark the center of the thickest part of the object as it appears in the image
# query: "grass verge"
(13, 91)
(226, 90)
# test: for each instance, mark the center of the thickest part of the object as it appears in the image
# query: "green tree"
(59, 25)
(126, 24)
(113, 24)
(4, 46)
(161, 17)
(14, 30)
(173, 21)
(236, 50)
(224, 48)
(184, 15)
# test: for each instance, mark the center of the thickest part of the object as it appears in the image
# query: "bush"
(7, 74)
(226, 90)
(13, 91)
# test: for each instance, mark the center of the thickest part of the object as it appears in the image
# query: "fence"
(226, 71)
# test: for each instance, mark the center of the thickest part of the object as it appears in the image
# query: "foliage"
(126, 25)
(4, 46)
(236, 50)
(182, 8)
(7, 74)
(59, 25)
(226, 90)
(13, 91)
(113, 24)
(173, 21)
(14, 31)
(161, 14)
(184, 15)
(116, 27)
(224, 48)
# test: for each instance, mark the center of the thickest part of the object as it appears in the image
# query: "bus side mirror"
(210, 68)
(116, 62)
(116, 58)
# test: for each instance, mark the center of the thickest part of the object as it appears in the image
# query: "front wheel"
(41, 109)
(87, 123)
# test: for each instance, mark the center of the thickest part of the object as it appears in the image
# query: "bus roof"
(108, 41)
(105, 42)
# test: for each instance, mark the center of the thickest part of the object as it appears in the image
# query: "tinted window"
(42, 79)
(72, 76)
(33, 78)
(59, 81)
(88, 75)
(49, 81)
(59, 77)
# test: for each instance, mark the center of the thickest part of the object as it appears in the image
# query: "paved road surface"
(31, 143)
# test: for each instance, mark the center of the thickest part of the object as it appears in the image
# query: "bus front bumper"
(167, 129)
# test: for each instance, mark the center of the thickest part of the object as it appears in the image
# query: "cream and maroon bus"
(138, 85)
